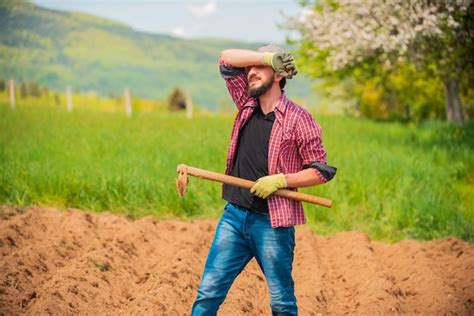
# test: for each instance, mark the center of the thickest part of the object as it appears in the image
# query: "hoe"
(184, 171)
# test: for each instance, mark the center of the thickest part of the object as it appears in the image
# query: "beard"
(258, 91)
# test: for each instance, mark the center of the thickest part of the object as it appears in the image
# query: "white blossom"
(362, 28)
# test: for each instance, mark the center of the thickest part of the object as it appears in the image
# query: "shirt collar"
(282, 103)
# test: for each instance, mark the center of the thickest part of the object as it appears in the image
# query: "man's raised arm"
(282, 62)
(232, 65)
(233, 62)
(241, 57)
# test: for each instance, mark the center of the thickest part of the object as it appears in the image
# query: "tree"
(177, 100)
(437, 36)
(23, 89)
(57, 99)
(44, 91)
(34, 89)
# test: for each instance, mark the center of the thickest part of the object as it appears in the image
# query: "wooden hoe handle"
(247, 184)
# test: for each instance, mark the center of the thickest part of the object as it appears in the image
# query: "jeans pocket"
(229, 207)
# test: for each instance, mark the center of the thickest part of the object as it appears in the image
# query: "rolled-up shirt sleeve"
(311, 149)
(236, 82)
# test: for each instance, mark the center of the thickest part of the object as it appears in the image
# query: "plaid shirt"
(295, 142)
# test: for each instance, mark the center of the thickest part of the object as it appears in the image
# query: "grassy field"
(394, 180)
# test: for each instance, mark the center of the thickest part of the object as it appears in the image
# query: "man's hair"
(272, 48)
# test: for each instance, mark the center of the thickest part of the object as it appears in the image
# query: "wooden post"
(189, 106)
(128, 104)
(69, 98)
(12, 93)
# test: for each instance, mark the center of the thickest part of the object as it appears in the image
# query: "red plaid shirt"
(295, 140)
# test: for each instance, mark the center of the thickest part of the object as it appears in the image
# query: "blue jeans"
(241, 235)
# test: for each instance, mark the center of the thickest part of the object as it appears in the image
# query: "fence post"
(189, 106)
(128, 104)
(69, 98)
(11, 86)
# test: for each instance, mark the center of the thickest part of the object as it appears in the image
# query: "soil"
(76, 262)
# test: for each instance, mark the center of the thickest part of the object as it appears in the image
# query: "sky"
(243, 20)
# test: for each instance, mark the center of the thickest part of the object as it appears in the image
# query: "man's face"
(260, 80)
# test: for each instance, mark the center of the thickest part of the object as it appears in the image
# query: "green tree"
(57, 99)
(45, 91)
(177, 100)
(34, 89)
(23, 89)
(361, 39)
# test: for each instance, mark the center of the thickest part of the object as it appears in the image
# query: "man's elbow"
(224, 55)
(327, 172)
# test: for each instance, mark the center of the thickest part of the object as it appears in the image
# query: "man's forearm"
(304, 178)
(241, 57)
(265, 186)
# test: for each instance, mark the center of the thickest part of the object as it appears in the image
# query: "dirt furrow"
(74, 262)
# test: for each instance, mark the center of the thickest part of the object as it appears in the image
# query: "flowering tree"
(437, 36)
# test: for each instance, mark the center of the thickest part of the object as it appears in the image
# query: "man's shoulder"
(296, 110)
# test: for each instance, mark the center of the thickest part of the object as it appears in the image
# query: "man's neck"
(269, 100)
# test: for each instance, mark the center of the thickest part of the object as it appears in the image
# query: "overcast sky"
(244, 20)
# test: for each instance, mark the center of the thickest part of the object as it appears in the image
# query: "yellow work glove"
(268, 184)
(282, 63)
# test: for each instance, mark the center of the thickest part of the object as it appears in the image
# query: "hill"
(58, 48)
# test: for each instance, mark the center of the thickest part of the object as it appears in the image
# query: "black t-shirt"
(251, 161)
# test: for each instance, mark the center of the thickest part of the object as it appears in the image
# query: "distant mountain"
(58, 48)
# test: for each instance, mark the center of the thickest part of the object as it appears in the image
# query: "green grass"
(394, 180)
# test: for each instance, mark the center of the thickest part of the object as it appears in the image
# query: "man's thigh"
(274, 250)
(229, 252)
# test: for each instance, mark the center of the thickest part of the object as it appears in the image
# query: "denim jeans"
(241, 235)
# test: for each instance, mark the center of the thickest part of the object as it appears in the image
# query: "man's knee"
(211, 288)
(215, 284)
(209, 297)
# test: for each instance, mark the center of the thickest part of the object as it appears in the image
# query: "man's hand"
(282, 63)
(268, 184)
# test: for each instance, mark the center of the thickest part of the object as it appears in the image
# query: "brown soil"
(70, 262)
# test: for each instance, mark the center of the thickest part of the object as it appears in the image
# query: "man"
(277, 144)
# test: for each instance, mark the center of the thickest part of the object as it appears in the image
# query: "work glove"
(282, 63)
(268, 184)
